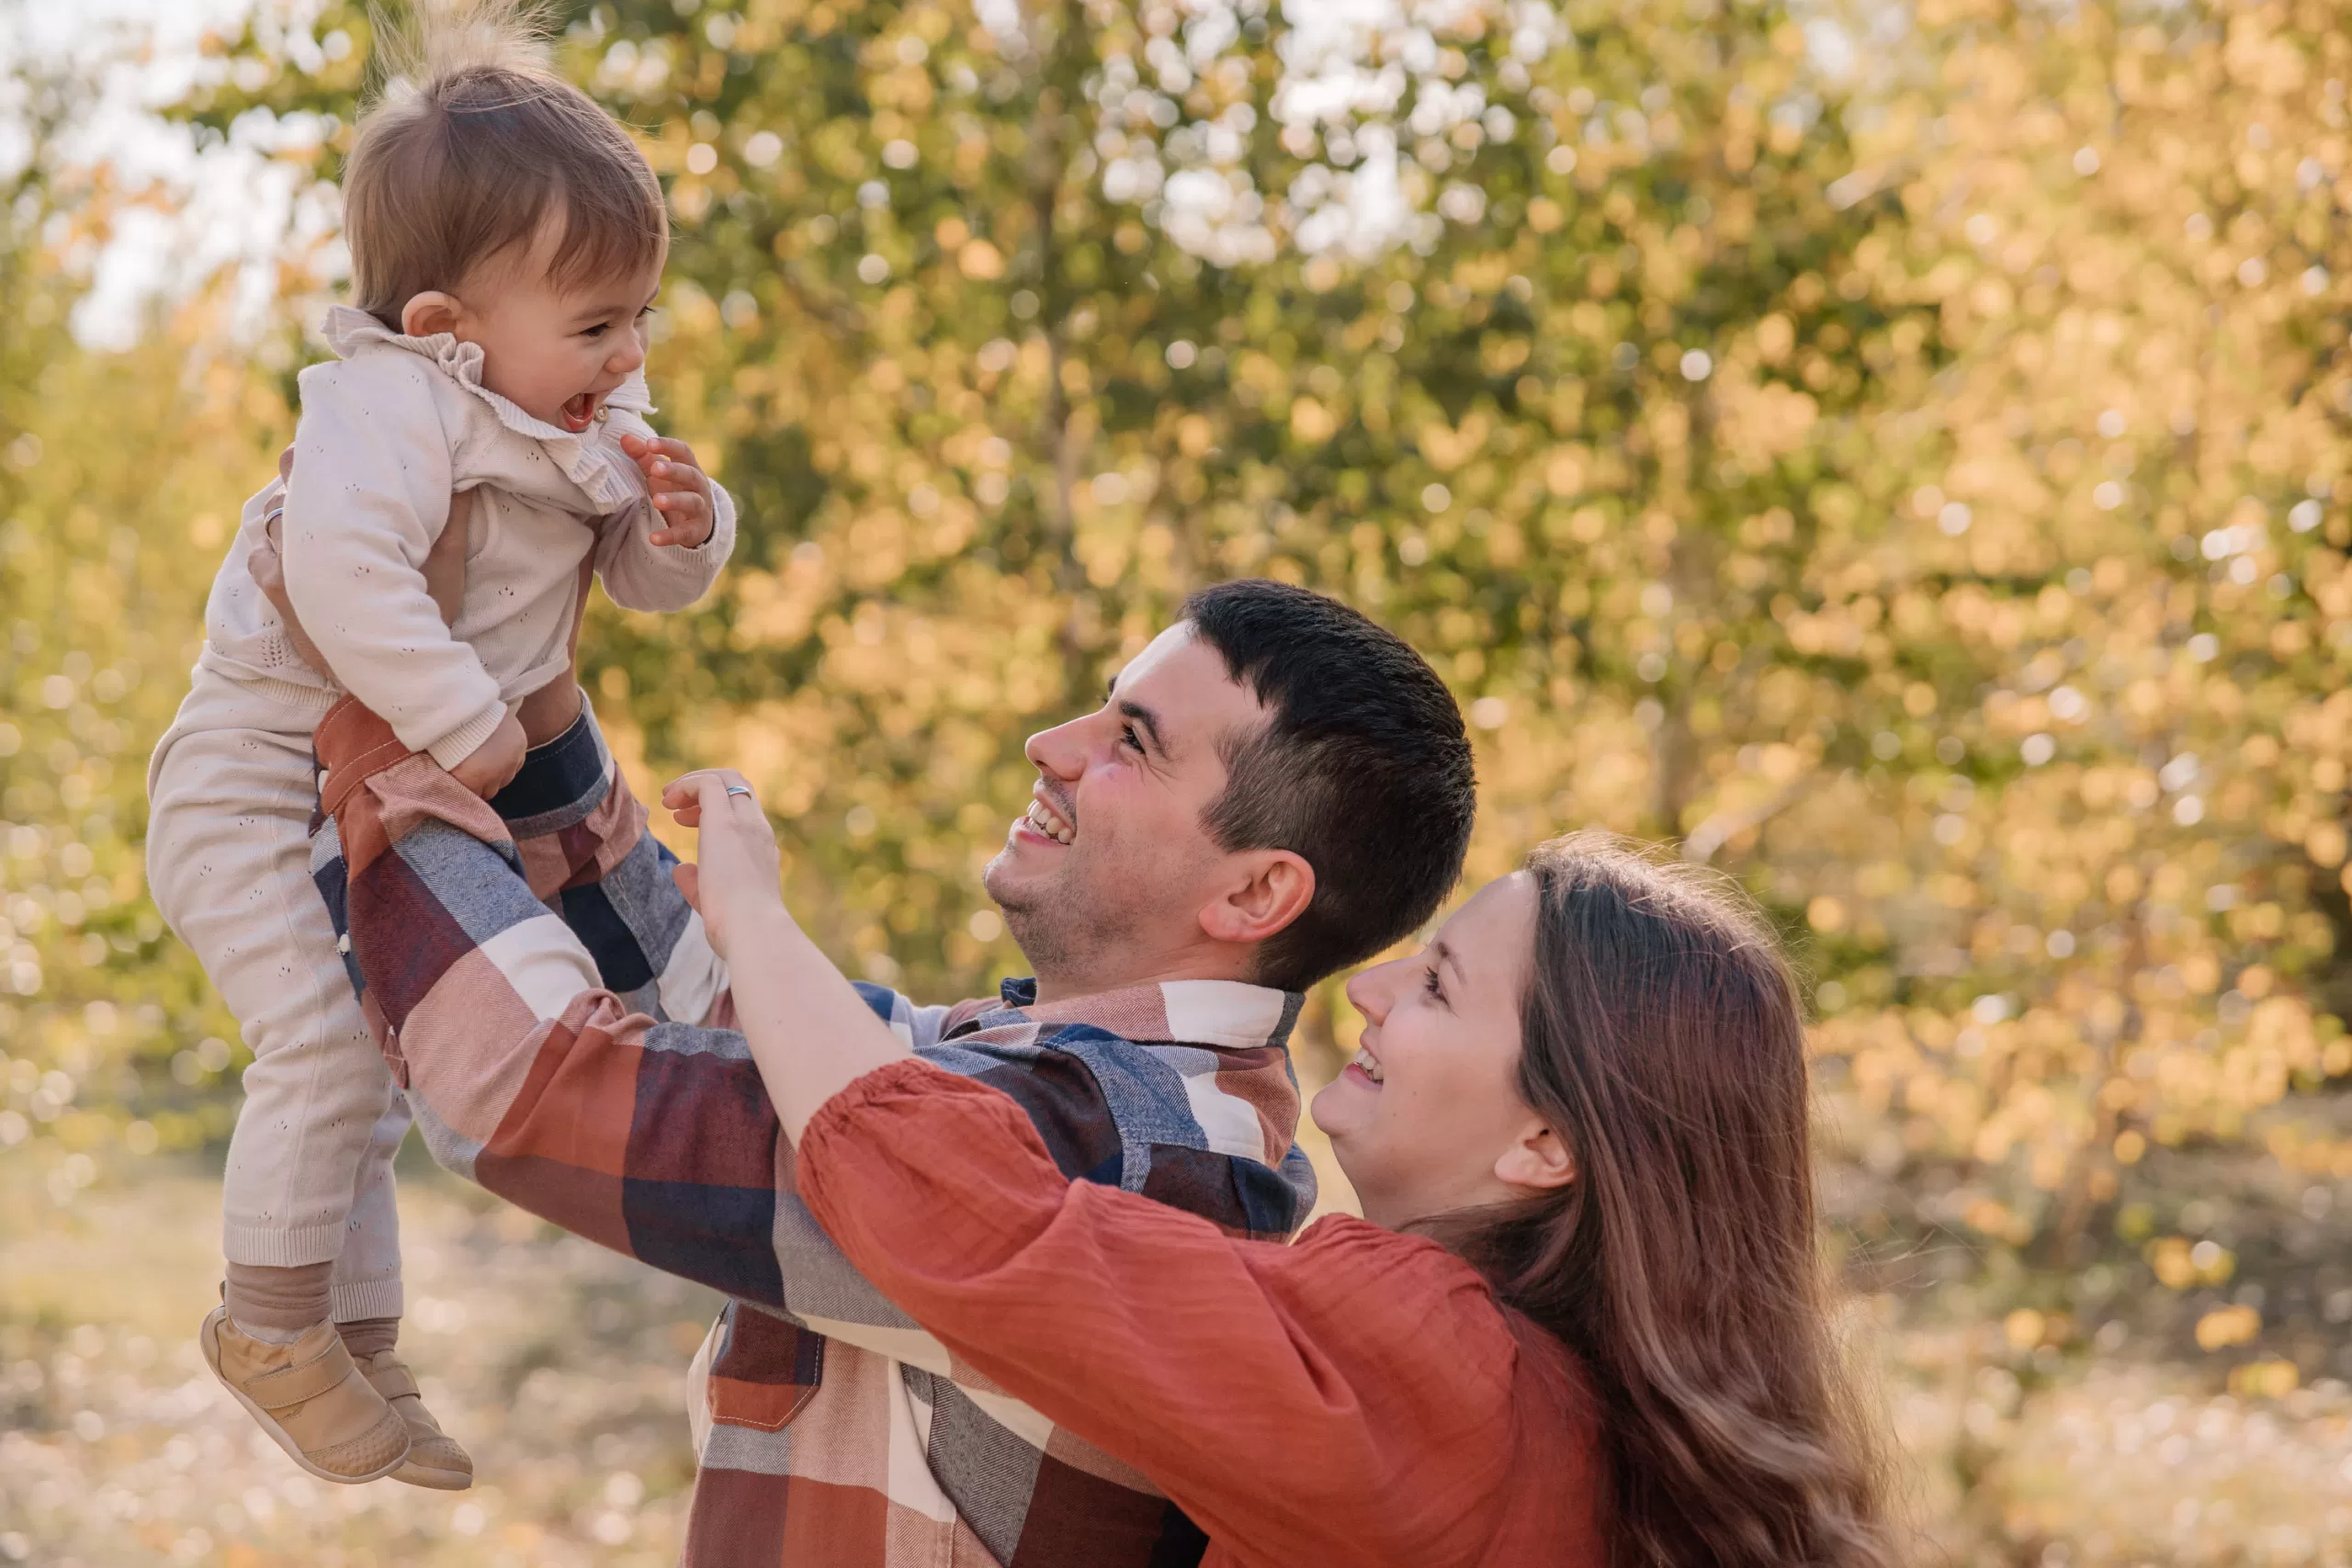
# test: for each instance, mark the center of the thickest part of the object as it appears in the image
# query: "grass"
(561, 1367)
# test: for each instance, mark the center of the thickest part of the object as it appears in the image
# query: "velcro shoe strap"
(289, 1386)
(392, 1379)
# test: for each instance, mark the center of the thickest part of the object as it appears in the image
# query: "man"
(1275, 789)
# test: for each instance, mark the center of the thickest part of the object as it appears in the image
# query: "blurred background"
(1898, 450)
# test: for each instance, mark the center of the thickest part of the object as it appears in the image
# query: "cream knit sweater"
(388, 432)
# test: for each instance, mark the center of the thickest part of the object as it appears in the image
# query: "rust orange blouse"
(1356, 1397)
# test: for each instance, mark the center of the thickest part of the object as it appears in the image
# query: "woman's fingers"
(688, 877)
(734, 879)
(705, 790)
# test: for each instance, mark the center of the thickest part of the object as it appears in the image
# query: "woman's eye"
(1432, 985)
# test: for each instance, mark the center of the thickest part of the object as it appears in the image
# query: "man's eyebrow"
(1130, 708)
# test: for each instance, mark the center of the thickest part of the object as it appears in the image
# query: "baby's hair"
(471, 145)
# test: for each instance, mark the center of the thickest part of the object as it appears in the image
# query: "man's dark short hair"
(1362, 770)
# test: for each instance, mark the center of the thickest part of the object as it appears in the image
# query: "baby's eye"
(596, 330)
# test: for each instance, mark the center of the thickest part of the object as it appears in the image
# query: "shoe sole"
(210, 1337)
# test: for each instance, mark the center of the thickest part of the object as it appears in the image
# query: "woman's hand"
(735, 882)
(810, 1032)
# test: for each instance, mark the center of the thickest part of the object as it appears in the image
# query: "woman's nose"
(1368, 995)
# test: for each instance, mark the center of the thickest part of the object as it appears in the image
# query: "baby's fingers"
(685, 520)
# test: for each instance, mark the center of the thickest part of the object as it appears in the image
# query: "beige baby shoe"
(434, 1458)
(310, 1398)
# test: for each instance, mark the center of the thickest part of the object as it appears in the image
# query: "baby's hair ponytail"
(474, 152)
(440, 39)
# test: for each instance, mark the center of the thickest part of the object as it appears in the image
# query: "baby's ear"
(430, 313)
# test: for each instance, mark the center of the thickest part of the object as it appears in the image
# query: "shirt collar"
(1224, 1014)
(591, 458)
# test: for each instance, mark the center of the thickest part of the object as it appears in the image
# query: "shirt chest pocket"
(762, 1370)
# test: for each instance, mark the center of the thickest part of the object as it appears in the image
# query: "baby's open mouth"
(580, 413)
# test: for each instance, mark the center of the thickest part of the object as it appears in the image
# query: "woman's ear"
(1537, 1162)
(431, 313)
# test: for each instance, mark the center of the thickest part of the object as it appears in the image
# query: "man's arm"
(555, 1010)
(552, 1008)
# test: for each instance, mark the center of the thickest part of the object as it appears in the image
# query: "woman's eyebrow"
(1447, 955)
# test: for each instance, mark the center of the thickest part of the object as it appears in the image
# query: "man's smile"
(1047, 820)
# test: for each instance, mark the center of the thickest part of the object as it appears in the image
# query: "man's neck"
(1221, 962)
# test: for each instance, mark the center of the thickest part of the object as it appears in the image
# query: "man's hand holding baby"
(681, 490)
(492, 766)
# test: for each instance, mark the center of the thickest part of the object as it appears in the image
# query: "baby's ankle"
(276, 1305)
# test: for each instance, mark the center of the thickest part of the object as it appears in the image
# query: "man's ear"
(1537, 1162)
(431, 313)
(1279, 886)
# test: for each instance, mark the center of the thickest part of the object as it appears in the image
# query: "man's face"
(1102, 880)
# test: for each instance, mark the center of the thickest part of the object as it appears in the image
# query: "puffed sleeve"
(1268, 1388)
(641, 575)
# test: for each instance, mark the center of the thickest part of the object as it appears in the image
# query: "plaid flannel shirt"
(550, 1005)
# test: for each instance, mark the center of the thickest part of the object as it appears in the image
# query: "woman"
(1581, 1321)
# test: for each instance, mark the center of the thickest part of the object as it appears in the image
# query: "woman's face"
(1428, 1119)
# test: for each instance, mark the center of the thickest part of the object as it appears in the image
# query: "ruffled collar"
(591, 458)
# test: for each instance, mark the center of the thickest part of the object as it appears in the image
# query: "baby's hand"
(492, 766)
(681, 490)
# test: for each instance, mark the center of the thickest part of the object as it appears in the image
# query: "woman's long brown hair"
(1665, 1043)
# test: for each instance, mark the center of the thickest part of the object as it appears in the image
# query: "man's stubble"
(1065, 921)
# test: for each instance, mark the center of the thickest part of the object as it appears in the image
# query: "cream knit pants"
(309, 1173)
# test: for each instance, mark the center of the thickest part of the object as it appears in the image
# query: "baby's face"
(557, 353)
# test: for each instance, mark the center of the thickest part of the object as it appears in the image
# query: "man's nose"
(1058, 752)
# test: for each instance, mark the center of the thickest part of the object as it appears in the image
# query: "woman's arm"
(1271, 1390)
(791, 994)
(1355, 1387)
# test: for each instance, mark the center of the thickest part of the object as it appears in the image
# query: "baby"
(507, 240)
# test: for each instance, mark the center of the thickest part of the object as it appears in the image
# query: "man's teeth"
(1042, 818)
(1371, 1066)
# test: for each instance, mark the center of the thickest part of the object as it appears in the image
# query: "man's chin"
(997, 876)
(1012, 893)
